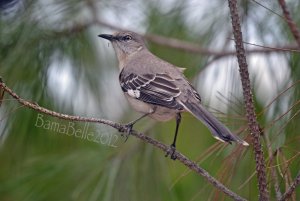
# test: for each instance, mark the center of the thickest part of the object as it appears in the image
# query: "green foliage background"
(43, 39)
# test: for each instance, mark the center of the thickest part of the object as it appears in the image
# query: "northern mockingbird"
(158, 89)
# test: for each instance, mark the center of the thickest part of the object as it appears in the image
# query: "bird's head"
(125, 43)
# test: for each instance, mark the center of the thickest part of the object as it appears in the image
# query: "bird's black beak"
(107, 36)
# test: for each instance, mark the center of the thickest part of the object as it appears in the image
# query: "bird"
(159, 89)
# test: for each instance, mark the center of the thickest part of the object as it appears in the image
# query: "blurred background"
(51, 55)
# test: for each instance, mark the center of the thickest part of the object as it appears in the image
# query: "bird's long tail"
(218, 130)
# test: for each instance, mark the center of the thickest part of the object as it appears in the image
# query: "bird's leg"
(172, 148)
(129, 126)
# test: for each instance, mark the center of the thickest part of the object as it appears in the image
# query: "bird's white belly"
(159, 114)
(163, 114)
(139, 106)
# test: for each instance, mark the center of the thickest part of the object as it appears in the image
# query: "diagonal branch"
(248, 99)
(180, 157)
(292, 25)
(291, 189)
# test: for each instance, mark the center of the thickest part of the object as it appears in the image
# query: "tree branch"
(291, 189)
(196, 49)
(248, 99)
(176, 43)
(292, 25)
(121, 128)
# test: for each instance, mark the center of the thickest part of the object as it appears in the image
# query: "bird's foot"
(126, 130)
(171, 152)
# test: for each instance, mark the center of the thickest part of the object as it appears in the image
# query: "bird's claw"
(171, 152)
(126, 130)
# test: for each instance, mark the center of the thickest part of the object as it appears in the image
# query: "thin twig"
(180, 157)
(248, 99)
(292, 25)
(286, 173)
(269, 9)
(291, 189)
(272, 168)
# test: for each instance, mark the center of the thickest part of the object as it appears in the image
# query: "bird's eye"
(127, 38)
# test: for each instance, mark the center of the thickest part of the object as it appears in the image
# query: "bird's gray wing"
(157, 89)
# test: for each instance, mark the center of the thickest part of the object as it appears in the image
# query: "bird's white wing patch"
(134, 93)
